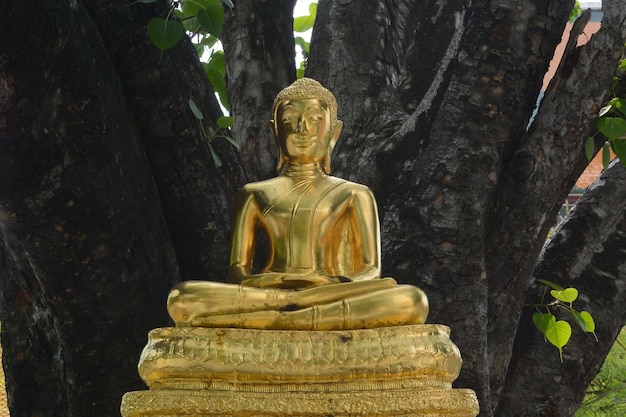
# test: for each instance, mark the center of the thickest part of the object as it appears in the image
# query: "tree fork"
(159, 87)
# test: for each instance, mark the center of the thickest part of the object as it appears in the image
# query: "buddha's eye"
(315, 119)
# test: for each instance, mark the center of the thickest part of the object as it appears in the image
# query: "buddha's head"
(305, 124)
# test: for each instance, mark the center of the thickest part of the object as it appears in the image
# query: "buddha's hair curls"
(307, 88)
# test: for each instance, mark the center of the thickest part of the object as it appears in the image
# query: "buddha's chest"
(305, 209)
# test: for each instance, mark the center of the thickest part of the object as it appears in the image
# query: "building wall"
(595, 166)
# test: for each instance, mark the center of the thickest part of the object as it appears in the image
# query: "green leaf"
(606, 155)
(195, 110)
(228, 3)
(584, 321)
(558, 333)
(218, 81)
(189, 9)
(191, 25)
(217, 62)
(216, 159)
(209, 40)
(612, 127)
(551, 284)
(165, 33)
(304, 23)
(619, 147)
(225, 122)
(590, 147)
(199, 49)
(590, 325)
(306, 46)
(232, 141)
(619, 105)
(211, 17)
(622, 65)
(576, 11)
(542, 321)
(579, 320)
(567, 295)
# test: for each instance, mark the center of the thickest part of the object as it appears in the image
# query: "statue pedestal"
(390, 371)
(392, 403)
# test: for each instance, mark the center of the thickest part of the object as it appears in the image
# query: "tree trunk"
(110, 194)
(586, 253)
(85, 249)
(196, 195)
(260, 62)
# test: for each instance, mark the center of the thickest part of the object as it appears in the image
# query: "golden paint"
(317, 332)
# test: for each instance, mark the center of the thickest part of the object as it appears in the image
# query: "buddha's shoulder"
(339, 189)
(353, 187)
(265, 185)
(282, 183)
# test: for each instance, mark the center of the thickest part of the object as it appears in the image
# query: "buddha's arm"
(247, 219)
(243, 234)
(290, 281)
(366, 232)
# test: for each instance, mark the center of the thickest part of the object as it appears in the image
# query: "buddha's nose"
(301, 126)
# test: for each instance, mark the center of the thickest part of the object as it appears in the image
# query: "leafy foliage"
(215, 70)
(576, 11)
(558, 332)
(606, 396)
(303, 24)
(612, 124)
(165, 33)
(203, 21)
(222, 122)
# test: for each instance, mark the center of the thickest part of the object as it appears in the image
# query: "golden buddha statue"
(323, 271)
(317, 332)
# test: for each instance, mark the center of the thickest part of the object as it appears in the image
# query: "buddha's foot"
(402, 305)
(351, 305)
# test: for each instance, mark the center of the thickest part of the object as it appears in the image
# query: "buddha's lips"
(303, 141)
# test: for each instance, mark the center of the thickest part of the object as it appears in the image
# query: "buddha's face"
(303, 130)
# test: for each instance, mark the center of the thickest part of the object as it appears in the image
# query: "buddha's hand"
(291, 281)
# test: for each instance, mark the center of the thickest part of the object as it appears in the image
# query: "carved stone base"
(388, 403)
(385, 372)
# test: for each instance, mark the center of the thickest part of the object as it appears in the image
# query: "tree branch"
(158, 87)
(260, 60)
(537, 178)
(587, 253)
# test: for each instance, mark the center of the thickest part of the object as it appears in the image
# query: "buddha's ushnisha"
(323, 271)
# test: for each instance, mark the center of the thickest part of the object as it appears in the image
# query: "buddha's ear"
(335, 134)
(331, 145)
(272, 126)
(281, 158)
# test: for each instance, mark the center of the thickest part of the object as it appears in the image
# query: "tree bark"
(85, 249)
(196, 195)
(109, 191)
(586, 252)
(547, 162)
(259, 45)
